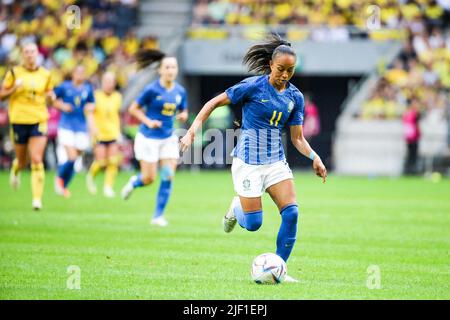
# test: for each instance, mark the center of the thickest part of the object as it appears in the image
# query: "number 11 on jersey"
(274, 115)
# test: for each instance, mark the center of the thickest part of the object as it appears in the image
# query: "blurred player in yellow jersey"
(107, 120)
(29, 88)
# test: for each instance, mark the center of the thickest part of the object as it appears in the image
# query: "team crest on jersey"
(290, 106)
(246, 184)
(158, 97)
(178, 99)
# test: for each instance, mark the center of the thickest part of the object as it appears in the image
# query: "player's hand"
(182, 116)
(93, 132)
(50, 97)
(16, 86)
(152, 124)
(320, 169)
(66, 107)
(186, 141)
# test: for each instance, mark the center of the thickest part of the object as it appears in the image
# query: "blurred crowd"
(102, 38)
(323, 20)
(416, 89)
(420, 73)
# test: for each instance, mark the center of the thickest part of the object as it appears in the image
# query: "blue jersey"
(77, 97)
(265, 113)
(161, 104)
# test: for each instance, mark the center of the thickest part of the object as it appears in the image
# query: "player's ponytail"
(146, 57)
(258, 56)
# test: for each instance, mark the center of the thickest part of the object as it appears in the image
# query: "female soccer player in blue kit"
(270, 103)
(159, 104)
(76, 99)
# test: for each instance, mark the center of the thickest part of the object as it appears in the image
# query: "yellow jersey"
(106, 115)
(27, 104)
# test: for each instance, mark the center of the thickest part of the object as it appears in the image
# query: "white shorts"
(151, 150)
(251, 181)
(76, 139)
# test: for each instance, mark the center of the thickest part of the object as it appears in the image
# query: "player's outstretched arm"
(203, 115)
(300, 143)
(136, 111)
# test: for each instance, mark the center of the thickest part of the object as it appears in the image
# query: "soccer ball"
(268, 268)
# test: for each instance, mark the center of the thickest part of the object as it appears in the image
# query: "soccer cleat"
(128, 188)
(160, 221)
(60, 189)
(229, 221)
(109, 192)
(37, 204)
(90, 184)
(14, 180)
(288, 278)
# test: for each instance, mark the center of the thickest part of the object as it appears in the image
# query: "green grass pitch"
(400, 225)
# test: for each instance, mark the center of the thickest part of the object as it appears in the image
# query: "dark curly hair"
(259, 56)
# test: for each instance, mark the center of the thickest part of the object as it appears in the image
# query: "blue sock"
(66, 170)
(165, 189)
(288, 231)
(138, 182)
(251, 221)
(62, 169)
(70, 174)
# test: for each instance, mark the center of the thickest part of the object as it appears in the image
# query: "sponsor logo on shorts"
(246, 185)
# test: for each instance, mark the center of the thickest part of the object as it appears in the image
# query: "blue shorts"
(21, 133)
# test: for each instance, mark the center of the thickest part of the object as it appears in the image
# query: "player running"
(29, 88)
(158, 105)
(107, 122)
(76, 99)
(270, 102)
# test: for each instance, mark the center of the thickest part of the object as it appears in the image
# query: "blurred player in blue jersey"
(76, 99)
(159, 104)
(270, 103)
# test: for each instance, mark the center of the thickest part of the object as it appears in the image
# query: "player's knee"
(147, 179)
(102, 163)
(114, 160)
(36, 159)
(72, 157)
(289, 214)
(253, 220)
(166, 173)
